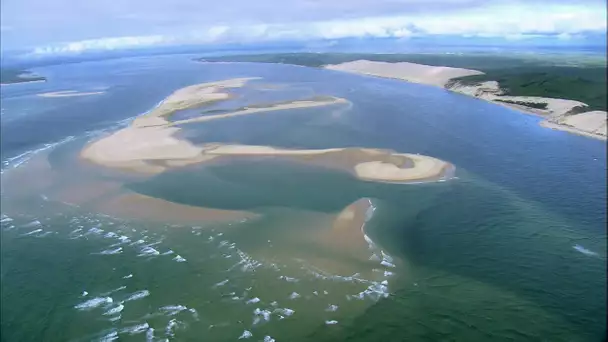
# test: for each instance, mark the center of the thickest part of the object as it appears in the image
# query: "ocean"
(511, 249)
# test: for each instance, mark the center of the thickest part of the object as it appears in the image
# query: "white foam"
(138, 295)
(294, 295)
(22, 158)
(111, 336)
(115, 310)
(172, 310)
(111, 251)
(584, 250)
(44, 234)
(268, 339)
(289, 279)
(332, 308)
(148, 251)
(170, 326)
(34, 223)
(6, 219)
(221, 283)
(110, 235)
(94, 303)
(167, 252)
(115, 318)
(84, 293)
(386, 263)
(388, 273)
(286, 311)
(127, 276)
(258, 313)
(194, 313)
(136, 329)
(32, 232)
(245, 334)
(331, 322)
(253, 300)
(115, 290)
(178, 258)
(124, 239)
(150, 335)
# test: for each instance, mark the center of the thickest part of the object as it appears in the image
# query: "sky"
(45, 27)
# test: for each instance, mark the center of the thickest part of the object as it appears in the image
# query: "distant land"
(9, 76)
(569, 91)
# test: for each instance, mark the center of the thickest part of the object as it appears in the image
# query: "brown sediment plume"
(137, 206)
(149, 144)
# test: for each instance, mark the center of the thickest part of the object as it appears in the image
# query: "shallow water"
(514, 248)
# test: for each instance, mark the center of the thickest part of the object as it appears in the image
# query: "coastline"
(557, 110)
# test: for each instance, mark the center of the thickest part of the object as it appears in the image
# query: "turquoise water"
(513, 249)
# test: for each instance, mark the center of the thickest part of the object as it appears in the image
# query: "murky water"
(513, 249)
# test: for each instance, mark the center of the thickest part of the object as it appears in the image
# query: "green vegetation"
(538, 105)
(580, 78)
(585, 84)
(18, 76)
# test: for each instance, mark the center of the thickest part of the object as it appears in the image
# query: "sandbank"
(70, 93)
(150, 145)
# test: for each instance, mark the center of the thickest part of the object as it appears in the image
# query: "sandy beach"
(558, 112)
(149, 144)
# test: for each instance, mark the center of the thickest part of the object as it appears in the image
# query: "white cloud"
(102, 44)
(509, 22)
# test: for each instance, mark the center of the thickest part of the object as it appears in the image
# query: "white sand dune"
(411, 72)
(557, 111)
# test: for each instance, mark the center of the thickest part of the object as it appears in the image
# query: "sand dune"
(557, 110)
(411, 72)
(149, 144)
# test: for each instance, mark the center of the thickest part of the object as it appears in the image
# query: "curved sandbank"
(149, 144)
(69, 93)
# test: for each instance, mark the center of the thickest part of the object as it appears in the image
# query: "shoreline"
(149, 145)
(489, 91)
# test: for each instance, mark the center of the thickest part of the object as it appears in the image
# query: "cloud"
(94, 25)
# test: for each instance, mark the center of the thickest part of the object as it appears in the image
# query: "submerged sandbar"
(150, 145)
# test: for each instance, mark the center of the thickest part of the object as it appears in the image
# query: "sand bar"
(70, 93)
(150, 145)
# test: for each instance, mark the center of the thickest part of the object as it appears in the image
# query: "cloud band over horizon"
(315, 20)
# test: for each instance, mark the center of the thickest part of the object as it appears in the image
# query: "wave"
(94, 303)
(584, 250)
(138, 295)
(18, 160)
(115, 310)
